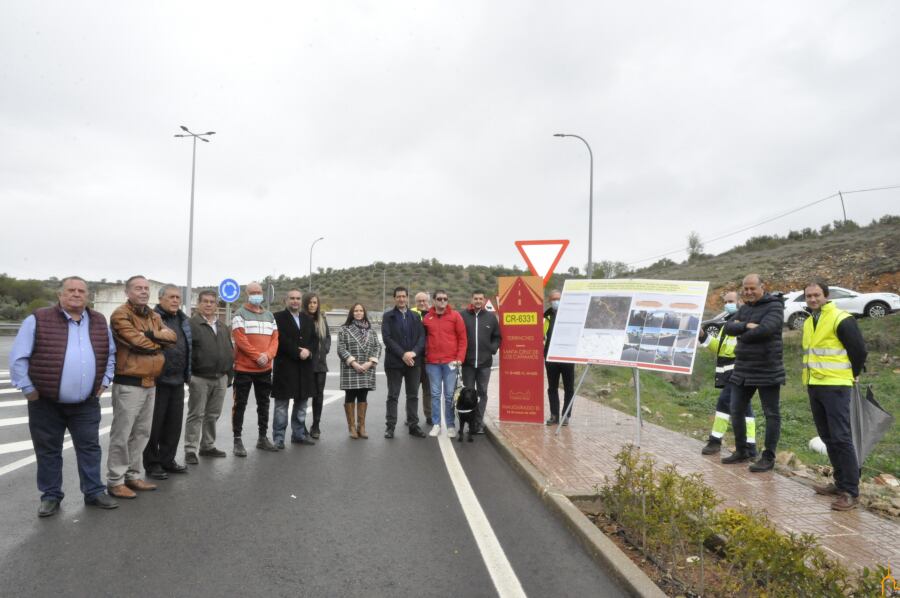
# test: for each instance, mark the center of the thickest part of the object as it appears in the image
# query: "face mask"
(554, 305)
(255, 299)
(731, 308)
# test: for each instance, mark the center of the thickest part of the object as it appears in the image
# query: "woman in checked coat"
(358, 350)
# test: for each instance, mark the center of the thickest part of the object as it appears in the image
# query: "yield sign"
(542, 256)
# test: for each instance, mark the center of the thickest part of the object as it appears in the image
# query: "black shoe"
(712, 447)
(191, 458)
(751, 450)
(389, 432)
(552, 420)
(480, 429)
(314, 431)
(175, 467)
(157, 473)
(212, 452)
(305, 440)
(48, 508)
(279, 445)
(765, 463)
(414, 430)
(101, 501)
(736, 457)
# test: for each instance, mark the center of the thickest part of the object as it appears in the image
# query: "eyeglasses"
(442, 299)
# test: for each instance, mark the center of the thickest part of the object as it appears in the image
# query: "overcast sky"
(409, 130)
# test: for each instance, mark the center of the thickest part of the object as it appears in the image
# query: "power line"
(766, 221)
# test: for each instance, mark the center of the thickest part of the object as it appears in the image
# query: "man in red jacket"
(445, 349)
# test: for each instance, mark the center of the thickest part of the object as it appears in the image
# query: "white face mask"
(255, 299)
(731, 308)
(554, 304)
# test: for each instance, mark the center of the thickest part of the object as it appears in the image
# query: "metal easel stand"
(636, 374)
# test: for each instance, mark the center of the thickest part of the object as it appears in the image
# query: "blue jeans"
(48, 421)
(298, 419)
(441, 374)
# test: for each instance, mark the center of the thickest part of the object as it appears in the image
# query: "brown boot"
(361, 419)
(351, 419)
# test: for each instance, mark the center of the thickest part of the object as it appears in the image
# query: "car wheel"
(712, 330)
(795, 322)
(876, 309)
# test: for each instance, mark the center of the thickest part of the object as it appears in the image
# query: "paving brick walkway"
(576, 461)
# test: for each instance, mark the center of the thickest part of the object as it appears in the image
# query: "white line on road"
(9, 391)
(498, 566)
(12, 447)
(20, 403)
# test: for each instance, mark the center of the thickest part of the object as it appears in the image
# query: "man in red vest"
(63, 359)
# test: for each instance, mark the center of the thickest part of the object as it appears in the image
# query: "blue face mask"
(554, 305)
(731, 308)
(255, 299)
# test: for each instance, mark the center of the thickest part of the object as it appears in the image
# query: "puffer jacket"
(140, 338)
(758, 354)
(177, 369)
(445, 336)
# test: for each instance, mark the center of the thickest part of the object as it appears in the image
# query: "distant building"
(107, 299)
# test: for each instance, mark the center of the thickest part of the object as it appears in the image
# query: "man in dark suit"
(404, 342)
(293, 370)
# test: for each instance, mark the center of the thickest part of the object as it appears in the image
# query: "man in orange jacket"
(255, 336)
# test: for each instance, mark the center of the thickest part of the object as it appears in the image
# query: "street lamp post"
(310, 261)
(590, 264)
(202, 137)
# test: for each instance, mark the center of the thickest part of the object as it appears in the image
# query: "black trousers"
(830, 407)
(319, 397)
(426, 393)
(478, 378)
(555, 371)
(770, 397)
(410, 378)
(262, 387)
(165, 431)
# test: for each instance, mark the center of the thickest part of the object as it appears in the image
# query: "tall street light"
(310, 261)
(590, 264)
(201, 137)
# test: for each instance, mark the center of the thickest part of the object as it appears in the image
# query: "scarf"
(360, 330)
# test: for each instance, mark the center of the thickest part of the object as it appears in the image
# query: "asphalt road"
(346, 517)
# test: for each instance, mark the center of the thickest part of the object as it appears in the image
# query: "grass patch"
(686, 404)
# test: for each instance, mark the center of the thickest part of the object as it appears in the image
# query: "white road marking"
(9, 391)
(15, 421)
(12, 447)
(505, 581)
(22, 402)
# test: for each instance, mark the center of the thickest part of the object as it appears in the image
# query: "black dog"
(467, 410)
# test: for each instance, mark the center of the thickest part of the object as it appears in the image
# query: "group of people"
(66, 356)
(749, 360)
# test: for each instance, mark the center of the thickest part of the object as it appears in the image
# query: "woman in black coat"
(322, 346)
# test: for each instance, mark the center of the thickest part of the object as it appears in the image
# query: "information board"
(521, 306)
(647, 324)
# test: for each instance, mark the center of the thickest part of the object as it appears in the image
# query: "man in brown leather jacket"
(140, 337)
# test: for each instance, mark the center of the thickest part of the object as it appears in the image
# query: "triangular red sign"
(542, 256)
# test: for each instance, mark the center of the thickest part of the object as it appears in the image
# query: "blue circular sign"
(229, 290)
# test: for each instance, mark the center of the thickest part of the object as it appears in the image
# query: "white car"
(873, 305)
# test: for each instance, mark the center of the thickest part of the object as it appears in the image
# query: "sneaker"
(314, 431)
(211, 452)
(552, 420)
(435, 431)
(389, 432)
(191, 458)
(827, 489)
(751, 450)
(264, 444)
(712, 447)
(279, 445)
(735, 457)
(845, 502)
(764, 463)
(239, 450)
(451, 432)
(565, 421)
(480, 429)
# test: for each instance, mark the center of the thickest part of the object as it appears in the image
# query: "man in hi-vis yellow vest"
(834, 354)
